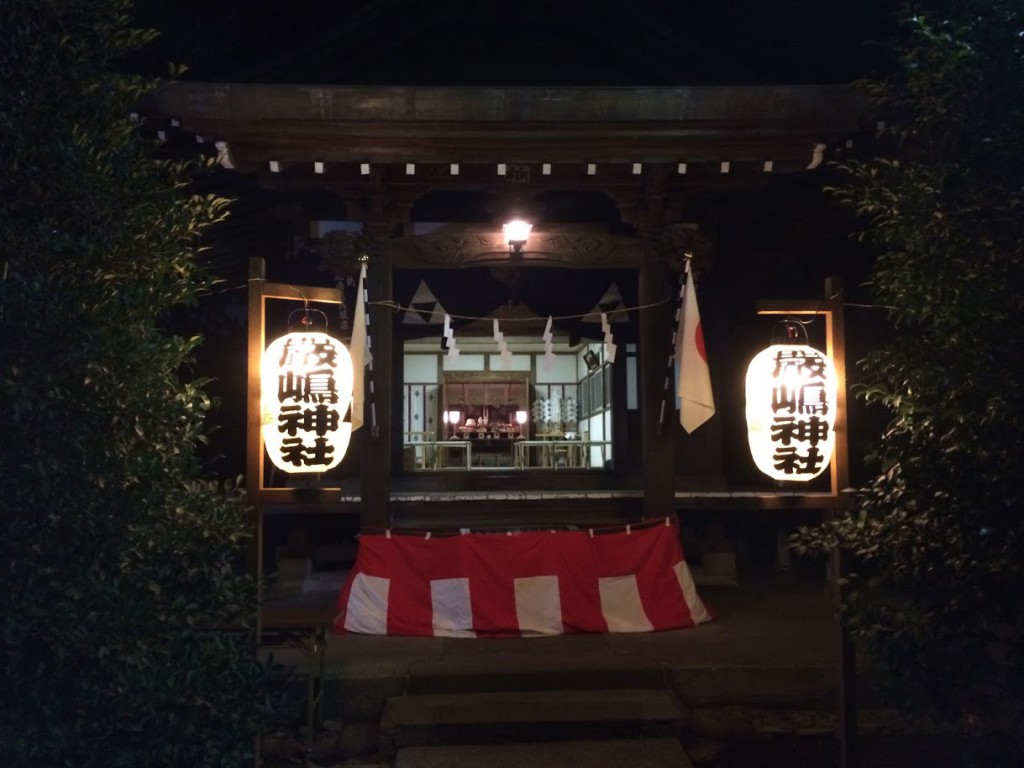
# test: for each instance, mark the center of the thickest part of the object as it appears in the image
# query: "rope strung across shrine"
(394, 305)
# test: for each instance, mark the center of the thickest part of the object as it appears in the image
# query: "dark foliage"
(937, 594)
(119, 562)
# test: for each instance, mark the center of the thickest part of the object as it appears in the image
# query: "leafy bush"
(118, 560)
(936, 597)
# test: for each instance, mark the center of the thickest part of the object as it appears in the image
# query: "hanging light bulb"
(517, 232)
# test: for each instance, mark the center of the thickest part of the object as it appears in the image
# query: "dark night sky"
(528, 42)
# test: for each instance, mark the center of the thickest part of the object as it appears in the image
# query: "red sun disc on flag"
(698, 340)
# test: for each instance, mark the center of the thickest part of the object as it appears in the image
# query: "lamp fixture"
(521, 417)
(516, 232)
(452, 417)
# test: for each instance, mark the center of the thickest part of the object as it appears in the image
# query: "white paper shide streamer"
(549, 347)
(503, 352)
(609, 341)
(449, 338)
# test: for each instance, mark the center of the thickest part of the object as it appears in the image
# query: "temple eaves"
(783, 128)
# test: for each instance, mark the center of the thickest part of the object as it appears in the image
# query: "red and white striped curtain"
(522, 583)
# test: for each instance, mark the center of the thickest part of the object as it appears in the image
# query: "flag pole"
(676, 322)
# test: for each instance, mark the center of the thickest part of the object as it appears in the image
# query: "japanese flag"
(360, 352)
(696, 403)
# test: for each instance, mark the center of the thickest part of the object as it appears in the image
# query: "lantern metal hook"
(792, 328)
(306, 322)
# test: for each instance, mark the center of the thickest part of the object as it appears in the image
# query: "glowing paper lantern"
(306, 393)
(791, 406)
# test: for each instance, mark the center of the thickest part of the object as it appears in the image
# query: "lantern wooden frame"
(831, 308)
(257, 495)
(259, 292)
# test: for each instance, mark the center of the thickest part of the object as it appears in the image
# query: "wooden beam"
(360, 124)
(615, 180)
(792, 306)
(303, 145)
(299, 496)
(575, 246)
(302, 292)
(284, 501)
(715, 110)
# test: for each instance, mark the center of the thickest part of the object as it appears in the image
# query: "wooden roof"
(598, 152)
(370, 124)
(472, 155)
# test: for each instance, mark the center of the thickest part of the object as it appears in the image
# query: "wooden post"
(655, 285)
(375, 473)
(253, 440)
(831, 306)
(836, 349)
(253, 443)
(835, 335)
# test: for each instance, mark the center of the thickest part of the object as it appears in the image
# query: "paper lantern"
(791, 406)
(306, 393)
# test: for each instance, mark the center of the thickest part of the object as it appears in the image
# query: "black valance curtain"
(427, 295)
(575, 297)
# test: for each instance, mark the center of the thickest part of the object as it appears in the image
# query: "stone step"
(482, 675)
(635, 753)
(527, 716)
(361, 698)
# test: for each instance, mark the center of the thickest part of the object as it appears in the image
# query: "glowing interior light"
(306, 379)
(517, 232)
(791, 407)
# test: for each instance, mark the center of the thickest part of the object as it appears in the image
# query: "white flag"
(360, 352)
(696, 403)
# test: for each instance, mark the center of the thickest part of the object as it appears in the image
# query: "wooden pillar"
(376, 434)
(835, 332)
(656, 285)
(621, 438)
(253, 445)
(831, 306)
